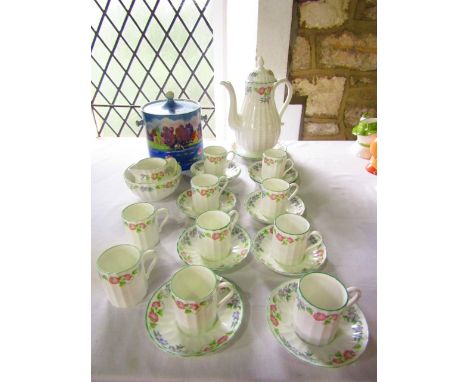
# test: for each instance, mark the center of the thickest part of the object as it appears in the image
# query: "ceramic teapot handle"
(288, 98)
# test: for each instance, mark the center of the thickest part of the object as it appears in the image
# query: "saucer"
(348, 345)
(189, 253)
(255, 172)
(250, 156)
(184, 202)
(161, 325)
(252, 205)
(232, 172)
(312, 261)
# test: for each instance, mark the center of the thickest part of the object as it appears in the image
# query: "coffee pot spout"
(234, 119)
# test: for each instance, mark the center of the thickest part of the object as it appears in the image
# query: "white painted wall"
(244, 29)
(273, 34)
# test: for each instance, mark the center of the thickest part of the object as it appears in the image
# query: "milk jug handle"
(288, 98)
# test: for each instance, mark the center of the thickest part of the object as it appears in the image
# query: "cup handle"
(356, 297)
(159, 212)
(291, 165)
(223, 182)
(147, 255)
(318, 237)
(296, 188)
(232, 158)
(234, 218)
(225, 284)
(171, 164)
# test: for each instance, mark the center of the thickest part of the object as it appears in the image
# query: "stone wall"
(333, 62)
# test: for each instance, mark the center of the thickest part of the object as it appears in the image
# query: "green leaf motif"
(188, 311)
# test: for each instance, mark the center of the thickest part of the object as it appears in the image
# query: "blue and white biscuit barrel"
(173, 128)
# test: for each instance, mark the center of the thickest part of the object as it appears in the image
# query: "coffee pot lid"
(261, 75)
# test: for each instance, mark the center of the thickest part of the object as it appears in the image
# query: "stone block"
(316, 128)
(300, 53)
(366, 10)
(362, 81)
(323, 95)
(323, 14)
(349, 50)
(353, 113)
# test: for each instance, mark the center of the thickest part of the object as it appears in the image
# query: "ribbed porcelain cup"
(275, 163)
(216, 161)
(214, 230)
(206, 191)
(151, 170)
(321, 299)
(194, 290)
(124, 275)
(142, 221)
(290, 235)
(276, 194)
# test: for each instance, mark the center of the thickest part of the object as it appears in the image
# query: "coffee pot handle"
(288, 98)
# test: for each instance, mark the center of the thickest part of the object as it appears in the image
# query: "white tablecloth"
(340, 198)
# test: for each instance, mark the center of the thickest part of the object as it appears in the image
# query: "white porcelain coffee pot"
(258, 126)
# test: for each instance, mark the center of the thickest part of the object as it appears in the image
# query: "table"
(340, 198)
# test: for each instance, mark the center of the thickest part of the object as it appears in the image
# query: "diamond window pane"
(179, 35)
(116, 12)
(202, 34)
(190, 14)
(130, 69)
(165, 14)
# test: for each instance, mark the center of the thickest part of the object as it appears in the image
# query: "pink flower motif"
(222, 339)
(216, 236)
(348, 354)
(206, 349)
(194, 306)
(290, 240)
(189, 193)
(153, 317)
(156, 304)
(273, 308)
(274, 320)
(261, 90)
(272, 196)
(271, 229)
(180, 304)
(337, 360)
(319, 316)
(142, 225)
(334, 316)
(154, 176)
(203, 192)
(114, 280)
(127, 276)
(132, 226)
(226, 231)
(161, 174)
(279, 237)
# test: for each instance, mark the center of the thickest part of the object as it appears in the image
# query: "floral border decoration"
(275, 196)
(139, 227)
(120, 280)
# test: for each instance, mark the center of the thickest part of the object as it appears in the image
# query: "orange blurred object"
(372, 166)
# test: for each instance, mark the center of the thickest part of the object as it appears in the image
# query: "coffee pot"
(258, 126)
